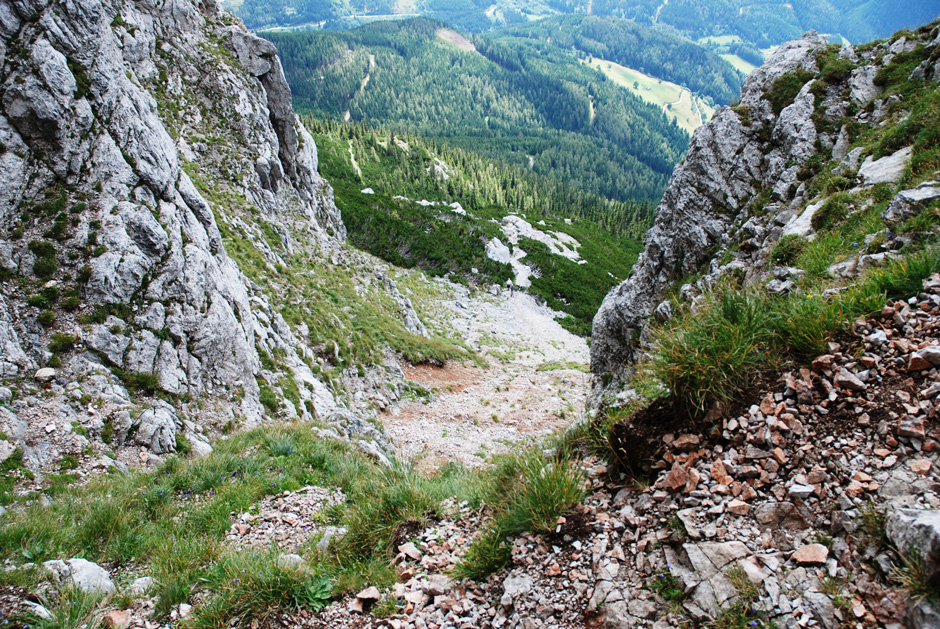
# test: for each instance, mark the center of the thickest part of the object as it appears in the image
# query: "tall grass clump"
(712, 355)
(252, 588)
(528, 492)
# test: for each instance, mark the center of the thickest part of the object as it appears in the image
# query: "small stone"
(141, 586)
(921, 466)
(918, 363)
(931, 354)
(686, 443)
(913, 428)
(738, 507)
(185, 610)
(847, 380)
(83, 574)
(371, 593)
(118, 619)
(553, 570)
(800, 491)
(810, 555)
(6, 450)
(855, 489)
(515, 586)
(676, 478)
(45, 374)
(410, 550)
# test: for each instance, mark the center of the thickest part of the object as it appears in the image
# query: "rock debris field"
(771, 512)
(534, 385)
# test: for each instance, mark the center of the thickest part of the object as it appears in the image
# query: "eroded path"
(535, 384)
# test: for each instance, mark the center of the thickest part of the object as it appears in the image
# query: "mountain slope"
(454, 214)
(162, 212)
(826, 155)
(658, 53)
(509, 99)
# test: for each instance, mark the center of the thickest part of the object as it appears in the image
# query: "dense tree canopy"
(513, 98)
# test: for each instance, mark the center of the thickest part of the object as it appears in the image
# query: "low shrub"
(788, 249)
(786, 87)
(833, 211)
(61, 343)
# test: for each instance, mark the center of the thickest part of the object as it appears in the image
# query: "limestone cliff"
(133, 136)
(741, 186)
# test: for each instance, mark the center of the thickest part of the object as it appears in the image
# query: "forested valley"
(517, 99)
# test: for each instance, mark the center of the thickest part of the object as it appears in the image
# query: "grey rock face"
(888, 169)
(741, 189)
(727, 163)
(917, 531)
(156, 429)
(908, 203)
(113, 113)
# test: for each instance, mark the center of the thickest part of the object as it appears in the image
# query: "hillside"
(657, 53)
(217, 412)
(758, 24)
(507, 99)
(451, 213)
(771, 181)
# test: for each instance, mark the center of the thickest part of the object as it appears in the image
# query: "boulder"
(45, 374)
(888, 169)
(82, 574)
(156, 429)
(917, 531)
(908, 203)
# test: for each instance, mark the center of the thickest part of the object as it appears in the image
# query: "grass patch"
(537, 490)
(786, 87)
(175, 518)
(742, 613)
(710, 358)
(788, 249)
(556, 365)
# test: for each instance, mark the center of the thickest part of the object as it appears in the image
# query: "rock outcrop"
(741, 186)
(132, 137)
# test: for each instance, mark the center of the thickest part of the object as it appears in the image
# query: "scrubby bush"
(833, 211)
(788, 249)
(61, 343)
(785, 89)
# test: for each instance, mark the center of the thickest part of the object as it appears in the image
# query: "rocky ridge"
(147, 154)
(743, 185)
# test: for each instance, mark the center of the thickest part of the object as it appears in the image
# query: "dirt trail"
(535, 384)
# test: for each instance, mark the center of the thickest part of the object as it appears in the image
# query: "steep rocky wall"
(125, 128)
(739, 188)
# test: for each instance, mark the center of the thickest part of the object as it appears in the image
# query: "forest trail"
(668, 106)
(352, 158)
(535, 384)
